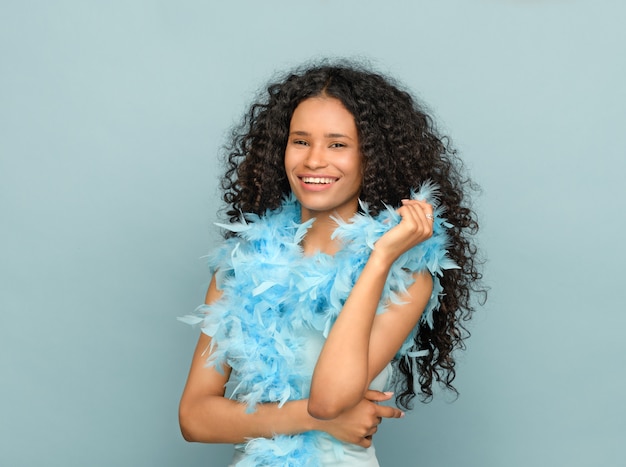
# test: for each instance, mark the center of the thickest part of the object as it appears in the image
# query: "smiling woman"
(334, 278)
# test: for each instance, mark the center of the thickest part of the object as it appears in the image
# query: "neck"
(318, 236)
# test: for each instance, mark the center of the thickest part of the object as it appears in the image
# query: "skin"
(324, 166)
(207, 416)
(323, 145)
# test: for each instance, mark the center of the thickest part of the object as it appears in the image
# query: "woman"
(340, 269)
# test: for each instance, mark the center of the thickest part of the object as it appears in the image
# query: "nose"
(315, 158)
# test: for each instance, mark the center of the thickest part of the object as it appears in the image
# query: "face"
(323, 161)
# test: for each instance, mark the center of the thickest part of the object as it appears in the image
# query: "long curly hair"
(401, 148)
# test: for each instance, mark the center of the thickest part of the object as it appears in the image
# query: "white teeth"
(319, 180)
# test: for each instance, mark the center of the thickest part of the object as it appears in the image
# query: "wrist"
(380, 260)
(309, 422)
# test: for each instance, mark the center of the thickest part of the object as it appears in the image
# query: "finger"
(429, 212)
(410, 215)
(425, 206)
(366, 442)
(419, 207)
(427, 209)
(424, 212)
(377, 396)
(417, 202)
(414, 216)
(388, 412)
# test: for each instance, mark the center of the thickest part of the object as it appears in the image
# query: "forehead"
(322, 112)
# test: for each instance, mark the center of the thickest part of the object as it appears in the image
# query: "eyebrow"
(326, 135)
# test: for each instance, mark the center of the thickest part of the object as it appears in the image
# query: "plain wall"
(111, 118)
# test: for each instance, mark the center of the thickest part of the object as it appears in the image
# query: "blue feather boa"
(271, 291)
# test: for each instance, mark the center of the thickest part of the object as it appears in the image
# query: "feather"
(271, 292)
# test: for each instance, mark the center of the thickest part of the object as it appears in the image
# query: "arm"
(205, 415)
(360, 342)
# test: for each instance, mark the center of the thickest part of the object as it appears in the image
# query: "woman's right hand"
(357, 425)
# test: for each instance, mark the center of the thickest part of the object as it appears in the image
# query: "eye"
(338, 145)
(300, 142)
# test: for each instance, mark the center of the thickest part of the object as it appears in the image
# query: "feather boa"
(271, 291)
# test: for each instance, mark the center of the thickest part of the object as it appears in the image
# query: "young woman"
(348, 259)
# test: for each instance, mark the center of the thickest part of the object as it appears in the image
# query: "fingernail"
(402, 415)
(388, 393)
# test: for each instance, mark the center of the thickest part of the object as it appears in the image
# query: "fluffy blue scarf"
(271, 290)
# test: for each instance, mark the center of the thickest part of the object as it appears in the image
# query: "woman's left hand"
(415, 227)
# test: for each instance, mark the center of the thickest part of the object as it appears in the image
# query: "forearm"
(360, 343)
(215, 419)
(342, 373)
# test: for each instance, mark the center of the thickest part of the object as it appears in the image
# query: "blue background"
(111, 117)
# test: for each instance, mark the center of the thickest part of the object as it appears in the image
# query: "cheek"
(287, 163)
(360, 174)
(357, 168)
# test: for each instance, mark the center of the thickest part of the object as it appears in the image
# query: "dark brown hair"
(401, 149)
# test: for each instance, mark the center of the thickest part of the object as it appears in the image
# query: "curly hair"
(401, 149)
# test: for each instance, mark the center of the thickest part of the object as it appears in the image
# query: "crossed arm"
(207, 416)
(358, 347)
(361, 343)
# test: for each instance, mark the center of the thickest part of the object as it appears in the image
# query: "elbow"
(325, 409)
(197, 421)
(189, 425)
(185, 425)
(187, 436)
(323, 413)
(329, 404)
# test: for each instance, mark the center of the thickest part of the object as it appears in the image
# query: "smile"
(318, 180)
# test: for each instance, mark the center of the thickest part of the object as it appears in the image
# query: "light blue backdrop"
(111, 116)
